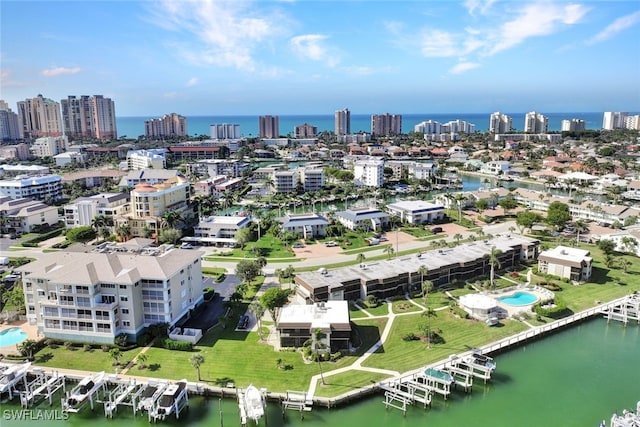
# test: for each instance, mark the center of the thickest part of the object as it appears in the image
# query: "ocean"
(132, 127)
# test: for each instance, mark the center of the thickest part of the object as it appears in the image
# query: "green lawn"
(404, 306)
(381, 310)
(336, 385)
(94, 360)
(460, 335)
(356, 313)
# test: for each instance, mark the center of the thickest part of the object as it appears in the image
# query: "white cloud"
(437, 43)
(463, 67)
(192, 82)
(615, 27)
(482, 6)
(228, 33)
(535, 20)
(313, 47)
(59, 71)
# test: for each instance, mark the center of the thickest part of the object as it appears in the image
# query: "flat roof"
(414, 205)
(319, 315)
(566, 255)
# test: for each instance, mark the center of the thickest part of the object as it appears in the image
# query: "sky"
(315, 57)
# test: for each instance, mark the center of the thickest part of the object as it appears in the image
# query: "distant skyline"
(284, 57)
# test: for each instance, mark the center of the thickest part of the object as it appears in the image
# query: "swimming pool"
(518, 299)
(12, 336)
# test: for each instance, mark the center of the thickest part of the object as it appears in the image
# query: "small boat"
(83, 390)
(254, 403)
(11, 375)
(167, 402)
(150, 394)
(482, 360)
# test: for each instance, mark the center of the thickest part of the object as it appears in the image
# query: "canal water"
(576, 377)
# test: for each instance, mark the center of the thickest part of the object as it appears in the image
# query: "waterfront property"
(297, 324)
(121, 289)
(397, 276)
(218, 230)
(368, 218)
(307, 225)
(416, 211)
(570, 263)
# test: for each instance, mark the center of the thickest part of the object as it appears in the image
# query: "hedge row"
(33, 243)
(170, 344)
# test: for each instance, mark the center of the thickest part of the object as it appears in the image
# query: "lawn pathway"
(134, 360)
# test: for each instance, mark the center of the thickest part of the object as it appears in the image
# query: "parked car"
(243, 322)
(297, 245)
(186, 246)
(331, 244)
(436, 230)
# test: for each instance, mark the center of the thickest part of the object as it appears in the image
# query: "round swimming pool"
(12, 336)
(518, 299)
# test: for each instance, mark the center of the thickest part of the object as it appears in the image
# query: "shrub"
(558, 310)
(86, 347)
(143, 339)
(170, 344)
(51, 343)
(121, 340)
(456, 310)
(372, 301)
(410, 337)
(105, 348)
(68, 345)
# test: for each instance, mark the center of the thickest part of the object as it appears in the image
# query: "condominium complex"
(89, 117)
(369, 172)
(435, 131)
(168, 126)
(9, 123)
(22, 215)
(573, 125)
(613, 120)
(218, 230)
(305, 131)
(225, 131)
(312, 178)
(49, 146)
(268, 126)
(386, 124)
(82, 211)
(121, 289)
(536, 123)
(342, 122)
(44, 187)
(155, 158)
(500, 123)
(38, 117)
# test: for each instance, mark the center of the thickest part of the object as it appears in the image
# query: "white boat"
(254, 403)
(167, 402)
(83, 390)
(11, 375)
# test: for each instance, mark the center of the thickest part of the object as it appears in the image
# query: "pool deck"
(540, 293)
(31, 330)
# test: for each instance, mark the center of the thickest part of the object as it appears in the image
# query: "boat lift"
(123, 394)
(147, 396)
(180, 401)
(628, 309)
(436, 380)
(400, 393)
(479, 366)
(461, 377)
(11, 376)
(42, 385)
(297, 401)
(99, 387)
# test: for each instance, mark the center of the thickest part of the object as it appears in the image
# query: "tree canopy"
(527, 219)
(274, 298)
(81, 234)
(247, 270)
(558, 214)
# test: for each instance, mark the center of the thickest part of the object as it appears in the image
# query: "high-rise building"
(225, 131)
(269, 126)
(613, 120)
(368, 173)
(49, 146)
(500, 123)
(168, 126)
(343, 122)
(39, 117)
(632, 122)
(305, 131)
(386, 124)
(89, 117)
(573, 125)
(536, 123)
(9, 124)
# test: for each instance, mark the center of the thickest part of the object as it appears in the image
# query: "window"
(126, 323)
(125, 311)
(124, 298)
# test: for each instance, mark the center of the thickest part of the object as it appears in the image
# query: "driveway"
(213, 309)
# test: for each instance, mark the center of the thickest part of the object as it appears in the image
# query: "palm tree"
(360, 258)
(388, 250)
(258, 310)
(123, 231)
(493, 263)
(319, 348)
(457, 237)
(423, 271)
(196, 361)
(171, 218)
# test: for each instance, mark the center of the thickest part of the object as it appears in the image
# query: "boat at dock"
(11, 376)
(83, 391)
(151, 392)
(172, 400)
(254, 403)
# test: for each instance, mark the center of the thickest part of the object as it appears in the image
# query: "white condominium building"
(535, 123)
(573, 125)
(21, 215)
(49, 146)
(613, 120)
(500, 123)
(122, 289)
(83, 210)
(369, 172)
(312, 178)
(44, 187)
(155, 158)
(9, 123)
(225, 131)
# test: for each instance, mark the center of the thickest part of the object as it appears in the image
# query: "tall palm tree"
(171, 218)
(423, 271)
(319, 348)
(123, 232)
(258, 310)
(360, 258)
(457, 237)
(493, 263)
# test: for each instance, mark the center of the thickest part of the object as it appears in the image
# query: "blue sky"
(314, 57)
